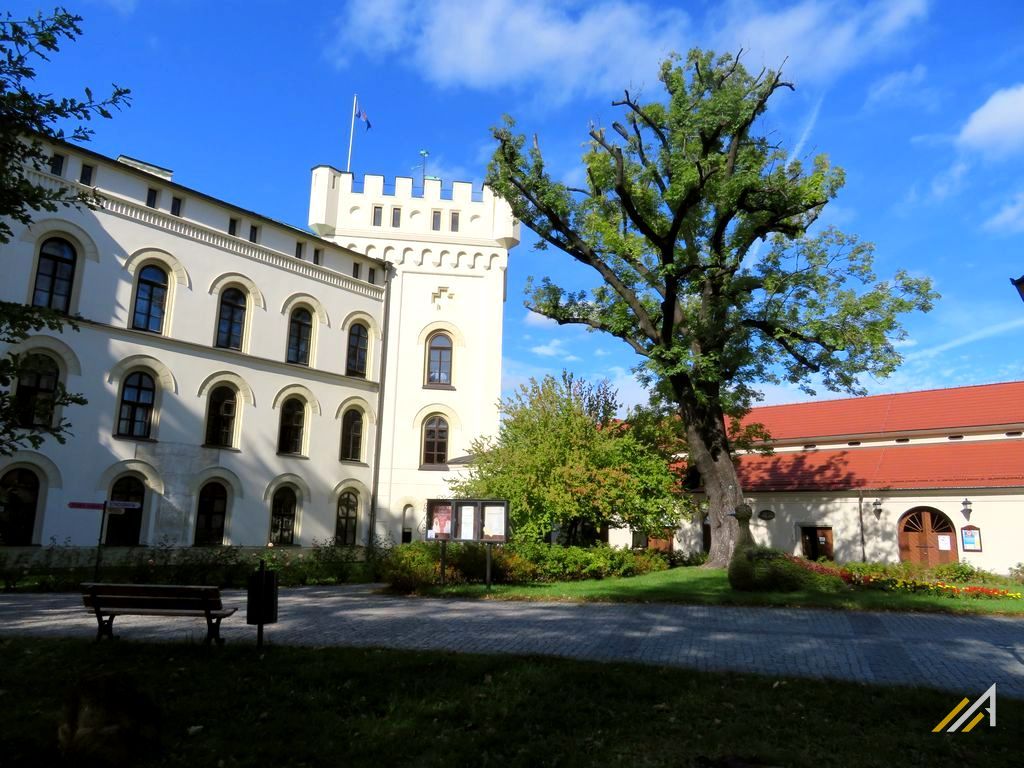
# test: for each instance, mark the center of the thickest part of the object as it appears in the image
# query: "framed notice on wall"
(970, 537)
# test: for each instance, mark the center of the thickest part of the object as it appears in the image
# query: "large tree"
(699, 228)
(30, 119)
(565, 464)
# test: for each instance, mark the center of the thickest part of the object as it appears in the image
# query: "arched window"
(407, 523)
(150, 299)
(358, 342)
(351, 435)
(124, 527)
(293, 418)
(439, 359)
(210, 513)
(19, 498)
(345, 527)
(300, 329)
(38, 376)
(138, 394)
(282, 517)
(231, 320)
(55, 275)
(220, 417)
(435, 440)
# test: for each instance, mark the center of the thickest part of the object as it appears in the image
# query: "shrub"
(956, 572)
(1017, 573)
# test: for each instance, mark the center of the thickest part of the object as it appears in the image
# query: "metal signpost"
(111, 506)
(470, 520)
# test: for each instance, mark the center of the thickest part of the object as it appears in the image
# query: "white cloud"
(537, 320)
(1010, 217)
(904, 86)
(996, 128)
(969, 338)
(950, 181)
(563, 50)
(601, 352)
(812, 120)
(819, 39)
(554, 348)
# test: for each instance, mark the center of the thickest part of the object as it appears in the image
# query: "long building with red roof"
(931, 477)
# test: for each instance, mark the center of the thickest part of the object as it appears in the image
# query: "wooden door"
(927, 537)
(816, 542)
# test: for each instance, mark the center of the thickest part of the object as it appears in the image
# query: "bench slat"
(150, 601)
(164, 590)
(221, 614)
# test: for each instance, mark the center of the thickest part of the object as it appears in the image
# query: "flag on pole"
(361, 114)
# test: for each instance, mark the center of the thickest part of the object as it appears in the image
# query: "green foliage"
(416, 567)
(960, 573)
(563, 464)
(699, 230)
(762, 569)
(62, 568)
(27, 118)
(1017, 573)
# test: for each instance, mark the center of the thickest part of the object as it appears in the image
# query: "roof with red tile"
(981, 464)
(936, 409)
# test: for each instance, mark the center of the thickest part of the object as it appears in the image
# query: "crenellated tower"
(446, 289)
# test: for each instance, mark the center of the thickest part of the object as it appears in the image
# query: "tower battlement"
(394, 211)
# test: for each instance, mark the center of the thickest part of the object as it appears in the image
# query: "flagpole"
(351, 131)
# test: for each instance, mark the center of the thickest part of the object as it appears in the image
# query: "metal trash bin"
(261, 600)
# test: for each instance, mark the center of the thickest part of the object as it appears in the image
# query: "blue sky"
(921, 102)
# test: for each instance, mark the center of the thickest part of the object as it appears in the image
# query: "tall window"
(300, 329)
(455, 221)
(231, 320)
(137, 397)
(378, 214)
(57, 164)
(351, 434)
(220, 417)
(150, 299)
(37, 388)
(123, 528)
(55, 275)
(358, 342)
(435, 221)
(439, 359)
(345, 527)
(435, 440)
(282, 517)
(293, 417)
(210, 513)
(19, 490)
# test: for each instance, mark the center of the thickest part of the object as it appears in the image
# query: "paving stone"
(964, 654)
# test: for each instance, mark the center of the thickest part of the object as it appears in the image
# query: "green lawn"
(706, 586)
(236, 706)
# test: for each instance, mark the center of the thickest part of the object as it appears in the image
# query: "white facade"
(441, 282)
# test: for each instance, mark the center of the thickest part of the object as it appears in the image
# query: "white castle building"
(248, 381)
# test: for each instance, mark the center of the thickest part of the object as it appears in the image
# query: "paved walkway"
(959, 653)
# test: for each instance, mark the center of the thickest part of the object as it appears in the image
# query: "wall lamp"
(877, 506)
(966, 504)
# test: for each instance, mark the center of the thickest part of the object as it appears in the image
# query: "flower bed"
(910, 586)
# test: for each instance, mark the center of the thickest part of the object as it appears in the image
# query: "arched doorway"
(927, 537)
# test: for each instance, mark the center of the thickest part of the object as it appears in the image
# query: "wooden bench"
(110, 600)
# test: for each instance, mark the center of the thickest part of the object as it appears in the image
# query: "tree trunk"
(709, 451)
